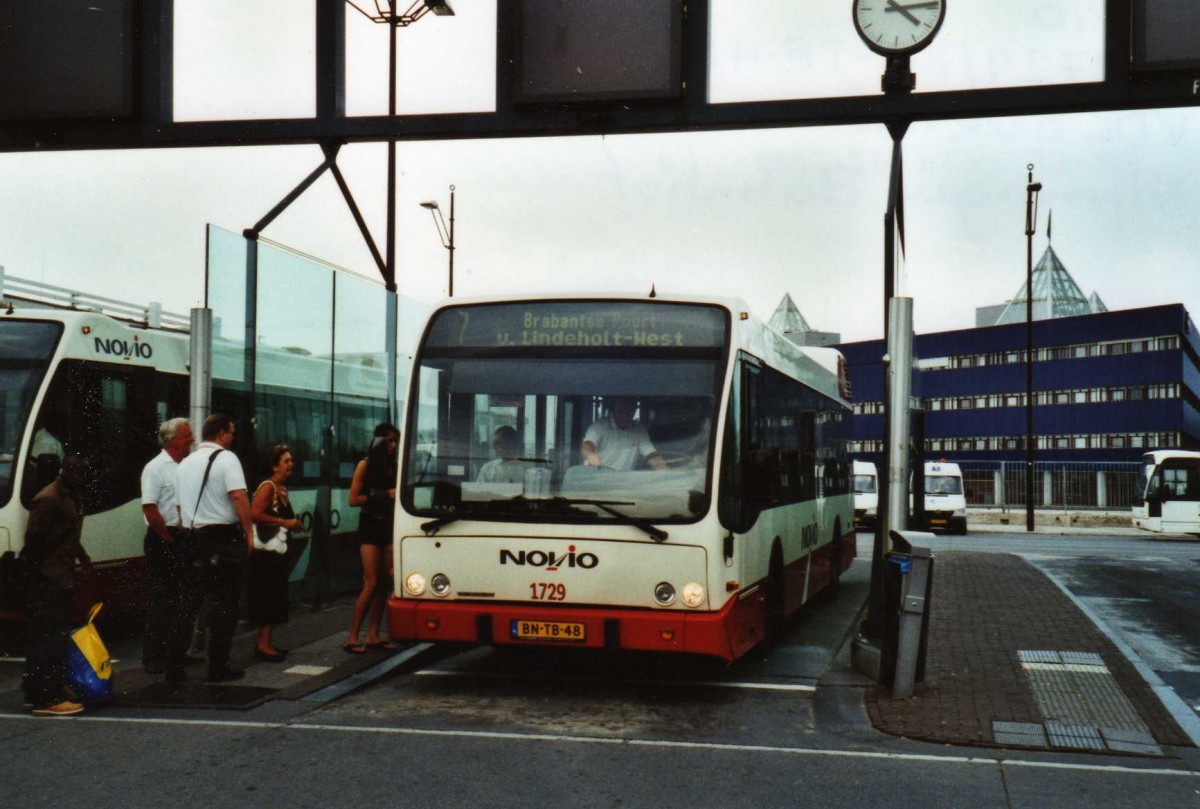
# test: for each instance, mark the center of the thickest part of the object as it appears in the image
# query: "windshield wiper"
(503, 505)
(533, 506)
(656, 533)
(430, 528)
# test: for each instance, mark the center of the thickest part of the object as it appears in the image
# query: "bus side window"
(107, 415)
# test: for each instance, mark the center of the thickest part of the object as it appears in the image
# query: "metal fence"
(1066, 485)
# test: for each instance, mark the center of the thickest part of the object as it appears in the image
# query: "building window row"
(994, 443)
(1066, 352)
(1128, 393)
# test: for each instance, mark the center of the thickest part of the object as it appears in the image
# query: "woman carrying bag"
(273, 518)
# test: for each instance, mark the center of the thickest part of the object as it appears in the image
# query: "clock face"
(898, 26)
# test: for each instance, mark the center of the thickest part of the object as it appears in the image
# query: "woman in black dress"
(271, 510)
(373, 490)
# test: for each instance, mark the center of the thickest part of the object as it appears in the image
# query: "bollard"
(914, 621)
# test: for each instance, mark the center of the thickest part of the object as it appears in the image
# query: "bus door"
(1178, 494)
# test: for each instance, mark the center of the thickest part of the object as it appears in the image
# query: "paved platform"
(316, 660)
(1013, 662)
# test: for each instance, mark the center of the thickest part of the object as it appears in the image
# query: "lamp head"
(432, 206)
(440, 7)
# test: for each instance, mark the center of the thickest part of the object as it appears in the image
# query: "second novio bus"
(728, 508)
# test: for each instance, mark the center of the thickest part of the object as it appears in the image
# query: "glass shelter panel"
(226, 297)
(360, 383)
(293, 362)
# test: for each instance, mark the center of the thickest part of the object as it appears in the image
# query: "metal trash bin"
(907, 590)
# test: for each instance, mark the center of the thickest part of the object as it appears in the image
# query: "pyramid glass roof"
(787, 317)
(1055, 294)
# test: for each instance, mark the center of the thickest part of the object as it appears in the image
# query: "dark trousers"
(165, 582)
(220, 586)
(49, 614)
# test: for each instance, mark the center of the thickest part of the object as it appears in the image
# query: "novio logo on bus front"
(548, 559)
(129, 349)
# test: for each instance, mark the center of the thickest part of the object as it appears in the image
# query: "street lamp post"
(1031, 198)
(446, 234)
(385, 11)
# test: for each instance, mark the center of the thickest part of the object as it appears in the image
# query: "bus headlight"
(440, 584)
(415, 584)
(664, 593)
(960, 512)
(693, 594)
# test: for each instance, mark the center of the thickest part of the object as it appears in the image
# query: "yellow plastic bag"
(89, 666)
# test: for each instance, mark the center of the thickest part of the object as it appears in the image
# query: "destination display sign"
(580, 324)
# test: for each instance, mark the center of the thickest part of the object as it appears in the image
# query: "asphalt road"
(547, 728)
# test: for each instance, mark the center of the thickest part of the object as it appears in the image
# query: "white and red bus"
(99, 386)
(742, 513)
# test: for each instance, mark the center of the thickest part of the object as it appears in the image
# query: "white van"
(866, 493)
(945, 504)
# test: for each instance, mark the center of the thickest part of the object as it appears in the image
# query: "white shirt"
(44, 443)
(619, 448)
(159, 480)
(500, 470)
(215, 506)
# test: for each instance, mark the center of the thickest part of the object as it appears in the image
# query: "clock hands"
(892, 5)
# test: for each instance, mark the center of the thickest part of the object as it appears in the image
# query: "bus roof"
(1159, 455)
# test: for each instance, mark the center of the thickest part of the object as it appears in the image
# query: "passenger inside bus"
(617, 441)
(681, 428)
(505, 467)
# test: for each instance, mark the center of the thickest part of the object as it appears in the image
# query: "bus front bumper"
(704, 633)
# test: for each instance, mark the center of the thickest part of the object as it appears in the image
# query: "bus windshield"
(1143, 479)
(25, 350)
(864, 484)
(566, 411)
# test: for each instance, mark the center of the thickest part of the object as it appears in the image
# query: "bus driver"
(618, 441)
(505, 467)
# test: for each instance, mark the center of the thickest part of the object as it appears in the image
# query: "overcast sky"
(753, 214)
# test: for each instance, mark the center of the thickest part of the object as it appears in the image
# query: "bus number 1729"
(547, 591)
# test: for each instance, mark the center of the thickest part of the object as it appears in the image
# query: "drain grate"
(1130, 741)
(1025, 734)
(1076, 737)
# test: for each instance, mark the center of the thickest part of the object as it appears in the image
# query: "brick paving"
(985, 608)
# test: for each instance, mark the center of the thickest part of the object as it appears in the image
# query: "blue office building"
(1108, 385)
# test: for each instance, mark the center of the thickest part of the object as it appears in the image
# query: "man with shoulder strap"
(215, 506)
(165, 544)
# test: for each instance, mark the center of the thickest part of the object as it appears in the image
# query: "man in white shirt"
(163, 544)
(218, 511)
(504, 468)
(617, 441)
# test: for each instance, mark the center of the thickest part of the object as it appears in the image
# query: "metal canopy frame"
(151, 125)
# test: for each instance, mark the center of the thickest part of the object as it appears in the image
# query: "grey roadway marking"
(998, 761)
